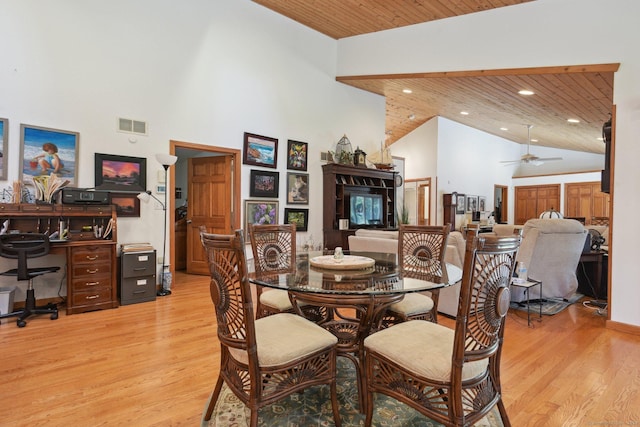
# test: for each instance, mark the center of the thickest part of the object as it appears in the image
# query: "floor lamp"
(165, 160)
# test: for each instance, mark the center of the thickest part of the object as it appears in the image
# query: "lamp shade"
(550, 214)
(166, 159)
(144, 197)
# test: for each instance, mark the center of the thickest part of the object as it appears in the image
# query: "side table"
(530, 283)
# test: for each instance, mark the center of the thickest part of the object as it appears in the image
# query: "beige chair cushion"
(276, 298)
(412, 304)
(285, 337)
(422, 347)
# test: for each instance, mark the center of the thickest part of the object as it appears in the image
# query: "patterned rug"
(550, 306)
(313, 408)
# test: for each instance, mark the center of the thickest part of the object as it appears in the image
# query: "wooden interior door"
(424, 202)
(584, 199)
(210, 204)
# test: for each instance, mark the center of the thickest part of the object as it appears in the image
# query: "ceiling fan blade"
(548, 159)
(508, 162)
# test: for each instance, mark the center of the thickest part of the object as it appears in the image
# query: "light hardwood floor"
(154, 364)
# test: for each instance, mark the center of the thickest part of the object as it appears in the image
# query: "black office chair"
(22, 246)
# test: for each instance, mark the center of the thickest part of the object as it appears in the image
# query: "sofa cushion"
(378, 234)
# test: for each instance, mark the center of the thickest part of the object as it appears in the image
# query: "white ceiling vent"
(132, 126)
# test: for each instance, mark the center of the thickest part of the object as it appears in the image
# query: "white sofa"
(367, 240)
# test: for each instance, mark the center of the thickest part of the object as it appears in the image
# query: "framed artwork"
(120, 173)
(260, 212)
(127, 204)
(472, 203)
(297, 188)
(264, 184)
(4, 143)
(44, 151)
(460, 206)
(299, 217)
(297, 155)
(260, 151)
(482, 203)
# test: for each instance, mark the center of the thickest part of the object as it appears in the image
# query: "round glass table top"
(383, 276)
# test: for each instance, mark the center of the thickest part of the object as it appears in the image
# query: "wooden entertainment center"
(340, 182)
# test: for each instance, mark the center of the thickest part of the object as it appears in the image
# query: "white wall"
(202, 71)
(534, 34)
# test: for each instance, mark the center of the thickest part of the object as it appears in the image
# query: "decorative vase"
(167, 278)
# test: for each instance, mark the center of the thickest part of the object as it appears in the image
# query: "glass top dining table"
(349, 296)
(358, 273)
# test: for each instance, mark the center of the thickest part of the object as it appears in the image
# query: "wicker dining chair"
(420, 254)
(274, 251)
(267, 359)
(451, 376)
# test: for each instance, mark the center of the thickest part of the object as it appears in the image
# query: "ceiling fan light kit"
(530, 158)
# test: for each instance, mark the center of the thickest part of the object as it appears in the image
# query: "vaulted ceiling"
(490, 97)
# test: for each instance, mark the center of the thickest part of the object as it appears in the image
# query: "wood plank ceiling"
(582, 92)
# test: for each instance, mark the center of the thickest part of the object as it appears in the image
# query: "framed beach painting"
(44, 151)
(260, 212)
(120, 173)
(4, 142)
(297, 155)
(260, 151)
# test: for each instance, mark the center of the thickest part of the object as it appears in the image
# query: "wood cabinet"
(91, 272)
(584, 199)
(531, 201)
(340, 182)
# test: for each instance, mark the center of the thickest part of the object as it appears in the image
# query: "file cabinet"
(137, 277)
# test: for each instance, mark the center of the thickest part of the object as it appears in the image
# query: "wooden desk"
(91, 262)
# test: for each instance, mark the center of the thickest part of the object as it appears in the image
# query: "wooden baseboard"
(623, 327)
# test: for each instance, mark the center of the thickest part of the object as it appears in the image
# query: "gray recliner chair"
(551, 250)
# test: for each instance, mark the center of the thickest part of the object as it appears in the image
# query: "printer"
(83, 196)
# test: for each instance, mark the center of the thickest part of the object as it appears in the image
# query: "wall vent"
(132, 126)
(324, 156)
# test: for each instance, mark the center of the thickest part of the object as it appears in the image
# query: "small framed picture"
(472, 203)
(460, 206)
(297, 155)
(482, 203)
(4, 134)
(260, 212)
(120, 173)
(297, 188)
(44, 151)
(264, 184)
(127, 204)
(299, 217)
(260, 151)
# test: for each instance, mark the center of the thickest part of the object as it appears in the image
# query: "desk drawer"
(138, 264)
(91, 254)
(90, 282)
(95, 296)
(91, 271)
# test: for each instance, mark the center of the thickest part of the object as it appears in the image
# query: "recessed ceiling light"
(573, 120)
(526, 92)
(464, 113)
(407, 90)
(534, 140)
(412, 116)
(505, 129)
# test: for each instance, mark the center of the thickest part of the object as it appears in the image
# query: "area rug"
(550, 306)
(313, 408)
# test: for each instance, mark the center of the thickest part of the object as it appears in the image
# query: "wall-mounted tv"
(365, 210)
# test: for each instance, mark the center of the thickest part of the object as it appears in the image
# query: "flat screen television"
(365, 210)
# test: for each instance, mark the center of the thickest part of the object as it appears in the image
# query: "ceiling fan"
(530, 158)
